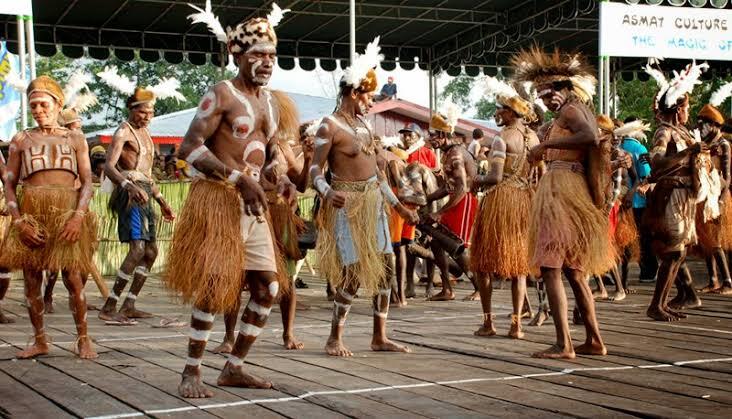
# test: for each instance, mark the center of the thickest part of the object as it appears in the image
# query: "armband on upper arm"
(196, 154)
(388, 193)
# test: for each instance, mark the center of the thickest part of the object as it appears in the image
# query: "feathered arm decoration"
(276, 15)
(721, 95)
(77, 82)
(112, 79)
(167, 88)
(14, 80)
(206, 16)
(363, 63)
(685, 82)
(83, 101)
(495, 87)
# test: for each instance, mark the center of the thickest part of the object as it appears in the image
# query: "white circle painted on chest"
(242, 126)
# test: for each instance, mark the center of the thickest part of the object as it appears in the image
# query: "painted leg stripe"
(256, 308)
(345, 295)
(113, 296)
(274, 288)
(200, 335)
(194, 362)
(237, 362)
(123, 275)
(250, 330)
(379, 314)
(142, 271)
(5, 275)
(200, 315)
(131, 296)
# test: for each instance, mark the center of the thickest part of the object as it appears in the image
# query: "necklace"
(362, 134)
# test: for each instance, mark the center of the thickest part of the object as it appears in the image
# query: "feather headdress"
(81, 102)
(275, 16)
(537, 67)
(14, 80)
(360, 74)
(446, 119)
(636, 129)
(392, 141)
(113, 79)
(660, 79)
(683, 83)
(507, 96)
(167, 88)
(721, 95)
(78, 81)
(212, 21)
(313, 127)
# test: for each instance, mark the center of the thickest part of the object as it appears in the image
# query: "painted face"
(437, 139)
(504, 116)
(44, 109)
(552, 99)
(707, 130)
(257, 63)
(364, 102)
(142, 114)
(683, 113)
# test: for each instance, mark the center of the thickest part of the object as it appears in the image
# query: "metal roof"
(444, 33)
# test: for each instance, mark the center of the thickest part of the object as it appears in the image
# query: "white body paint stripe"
(200, 315)
(123, 275)
(378, 314)
(113, 296)
(131, 296)
(311, 394)
(200, 335)
(256, 308)
(250, 330)
(5, 275)
(142, 271)
(274, 288)
(194, 362)
(237, 362)
(196, 154)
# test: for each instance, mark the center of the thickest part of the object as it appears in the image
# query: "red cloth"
(460, 218)
(614, 218)
(424, 156)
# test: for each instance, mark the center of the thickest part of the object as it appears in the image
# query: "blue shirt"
(642, 169)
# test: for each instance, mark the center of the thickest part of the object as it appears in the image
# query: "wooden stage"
(653, 369)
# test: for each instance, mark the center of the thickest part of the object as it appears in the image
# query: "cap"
(412, 127)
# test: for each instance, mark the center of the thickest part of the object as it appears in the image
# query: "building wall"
(388, 124)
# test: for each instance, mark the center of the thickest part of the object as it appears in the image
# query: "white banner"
(665, 31)
(16, 7)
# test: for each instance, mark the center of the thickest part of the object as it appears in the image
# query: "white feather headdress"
(275, 16)
(14, 80)
(312, 129)
(660, 79)
(494, 87)
(393, 141)
(212, 21)
(721, 95)
(167, 87)
(451, 112)
(113, 79)
(78, 81)
(81, 102)
(636, 129)
(363, 63)
(683, 83)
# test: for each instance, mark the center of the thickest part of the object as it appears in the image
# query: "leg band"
(260, 310)
(237, 362)
(194, 362)
(200, 335)
(202, 316)
(250, 330)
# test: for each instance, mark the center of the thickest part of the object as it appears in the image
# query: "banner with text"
(9, 97)
(665, 31)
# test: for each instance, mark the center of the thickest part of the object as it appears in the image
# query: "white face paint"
(256, 63)
(207, 105)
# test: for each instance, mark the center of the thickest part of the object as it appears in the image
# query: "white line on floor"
(678, 326)
(311, 394)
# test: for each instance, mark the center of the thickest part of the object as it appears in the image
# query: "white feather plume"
(114, 80)
(660, 79)
(312, 129)
(654, 61)
(167, 87)
(361, 65)
(540, 103)
(685, 82)
(83, 101)
(393, 141)
(587, 83)
(721, 95)
(495, 88)
(276, 15)
(451, 112)
(14, 80)
(212, 22)
(636, 129)
(77, 82)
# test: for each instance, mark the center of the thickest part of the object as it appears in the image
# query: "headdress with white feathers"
(683, 83)
(636, 129)
(451, 112)
(721, 95)
(312, 129)
(362, 67)
(113, 79)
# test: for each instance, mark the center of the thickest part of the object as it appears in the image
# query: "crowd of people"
(576, 196)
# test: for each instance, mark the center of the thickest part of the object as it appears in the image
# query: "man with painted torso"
(230, 142)
(129, 166)
(52, 226)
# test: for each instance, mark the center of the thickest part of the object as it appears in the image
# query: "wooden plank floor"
(654, 369)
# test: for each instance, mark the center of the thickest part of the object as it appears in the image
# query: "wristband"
(234, 177)
(196, 154)
(321, 185)
(12, 204)
(125, 183)
(391, 199)
(158, 196)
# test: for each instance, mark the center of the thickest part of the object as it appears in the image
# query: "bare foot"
(4, 319)
(48, 305)
(515, 332)
(555, 352)
(539, 319)
(599, 295)
(398, 303)
(232, 376)
(442, 296)
(677, 302)
(300, 306)
(291, 343)
(224, 348)
(475, 296)
(191, 387)
(38, 348)
(724, 290)
(591, 348)
(485, 331)
(675, 313)
(133, 313)
(409, 293)
(388, 346)
(114, 317)
(709, 288)
(659, 314)
(618, 296)
(86, 351)
(337, 348)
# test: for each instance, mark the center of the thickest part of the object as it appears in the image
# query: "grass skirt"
(48, 208)
(626, 234)
(206, 258)
(566, 228)
(726, 217)
(364, 206)
(287, 226)
(709, 233)
(500, 235)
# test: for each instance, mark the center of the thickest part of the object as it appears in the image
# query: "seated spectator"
(388, 91)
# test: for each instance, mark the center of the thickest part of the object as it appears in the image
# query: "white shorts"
(257, 239)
